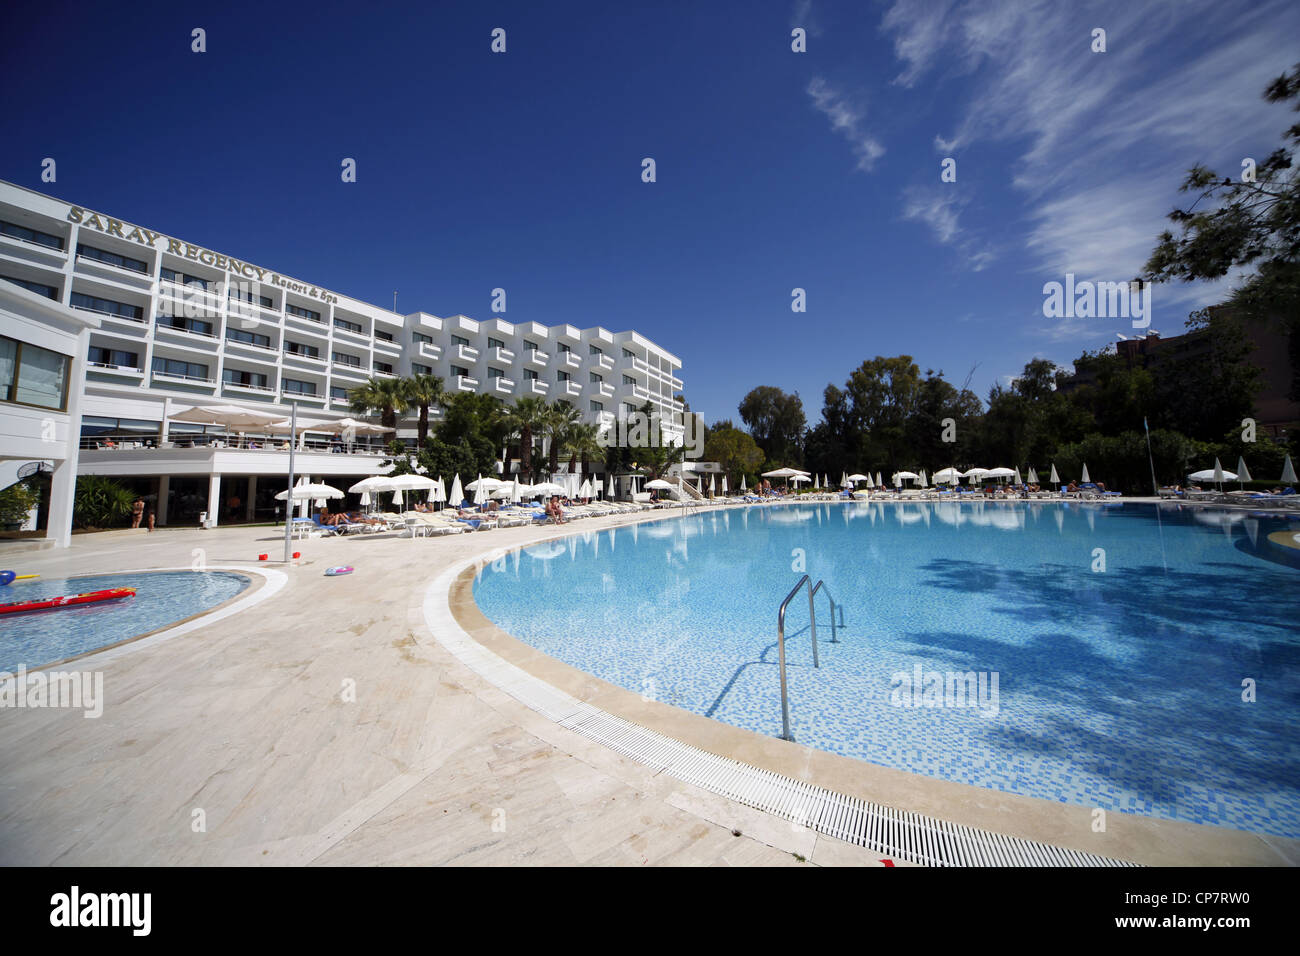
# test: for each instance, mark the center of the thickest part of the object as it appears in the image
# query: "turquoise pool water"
(162, 597)
(1120, 637)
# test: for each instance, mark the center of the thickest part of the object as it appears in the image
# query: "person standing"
(137, 512)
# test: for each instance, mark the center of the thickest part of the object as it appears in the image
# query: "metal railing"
(780, 644)
(812, 624)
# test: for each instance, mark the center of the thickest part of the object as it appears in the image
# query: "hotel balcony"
(569, 388)
(287, 395)
(315, 326)
(240, 311)
(252, 389)
(118, 275)
(125, 371)
(536, 357)
(38, 253)
(299, 359)
(141, 324)
(429, 350)
(356, 372)
(501, 385)
(499, 354)
(466, 352)
(183, 379)
(570, 360)
(604, 361)
(464, 383)
(196, 295)
(606, 390)
(265, 353)
(534, 386)
(387, 347)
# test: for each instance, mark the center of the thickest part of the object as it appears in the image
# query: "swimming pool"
(162, 597)
(1120, 637)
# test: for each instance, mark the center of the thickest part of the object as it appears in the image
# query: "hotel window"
(459, 340)
(628, 380)
(462, 372)
(49, 291)
(302, 313)
(98, 355)
(592, 350)
(561, 376)
(384, 336)
(338, 391)
(595, 379)
(248, 338)
(495, 373)
(564, 348)
(31, 375)
(95, 304)
(496, 344)
(597, 406)
(530, 375)
(628, 353)
(232, 376)
(342, 358)
(182, 279)
(383, 367)
(15, 231)
(296, 387)
(531, 346)
(195, 326)
(111, 258)
(347, 326)
(241, 292)
(630, 409)
(419, 338)
(180, 369)
(418, 369)
(297, 348)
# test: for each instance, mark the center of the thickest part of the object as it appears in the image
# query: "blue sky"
(775, 170)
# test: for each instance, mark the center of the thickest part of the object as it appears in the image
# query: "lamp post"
(288, 503)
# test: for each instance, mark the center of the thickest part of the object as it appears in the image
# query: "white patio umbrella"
(1087, 480)
(816, 483)
(713, 487)
(724, 486)
(457, 494)
(924, 481)
(548, 488)
(743, 488)
(1033, 476)
(798, 479)
(584, 491)
(1288, 472)
(373, 483)
(232, 416)
(660, 485)
(854, 479)
(516, 492)
(1017, 476)
(439, 490)
(1055, 479)
(947, 476)
(490, 484)
(879, 481)
(609, 487)
(480, 490)
(306, 492)
(1215, 474)
(901, 476)
(1243, 475)
(870, 482)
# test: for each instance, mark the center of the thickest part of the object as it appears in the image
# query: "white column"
(214, 499)
(63, 484)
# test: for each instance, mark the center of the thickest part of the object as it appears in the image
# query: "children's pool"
(1147, 658)
(34, 638)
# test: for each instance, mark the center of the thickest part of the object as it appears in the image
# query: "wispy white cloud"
(846, 118)
(940, 209)
(803, 15)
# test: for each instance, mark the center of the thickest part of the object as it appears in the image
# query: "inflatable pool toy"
(69, 600)
(335, 572)
(9, 577)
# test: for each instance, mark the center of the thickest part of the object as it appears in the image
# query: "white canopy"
(307, 492)
(232, 416)
(905, 476)
(1000, 473)
(373, 483)
(798, 478)
(584, 490)
(660, 485)
(548, 488)
(947, 476)
(781, 473)
(491, 484)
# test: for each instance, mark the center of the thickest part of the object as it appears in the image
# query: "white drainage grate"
(899, 834)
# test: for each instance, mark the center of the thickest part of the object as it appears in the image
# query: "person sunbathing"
(332, 520)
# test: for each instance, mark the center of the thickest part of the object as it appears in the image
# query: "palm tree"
(522, 418)
(424, 391)
(560, 420)
(583, 441)
(382, 395)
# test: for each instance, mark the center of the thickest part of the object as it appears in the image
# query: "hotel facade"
(180, 325)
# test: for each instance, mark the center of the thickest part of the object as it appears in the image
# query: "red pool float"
(68, 600)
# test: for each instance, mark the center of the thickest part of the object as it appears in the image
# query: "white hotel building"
(181, 325)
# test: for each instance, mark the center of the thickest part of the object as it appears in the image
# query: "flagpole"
(1155, 488)
(288, 504)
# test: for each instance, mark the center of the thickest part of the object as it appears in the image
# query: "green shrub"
(100, 502)
(16, 502)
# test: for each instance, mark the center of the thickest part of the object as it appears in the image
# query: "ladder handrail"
(780, 643)
(820, 586)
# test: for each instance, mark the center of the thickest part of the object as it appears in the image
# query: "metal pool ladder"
(780, 639)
